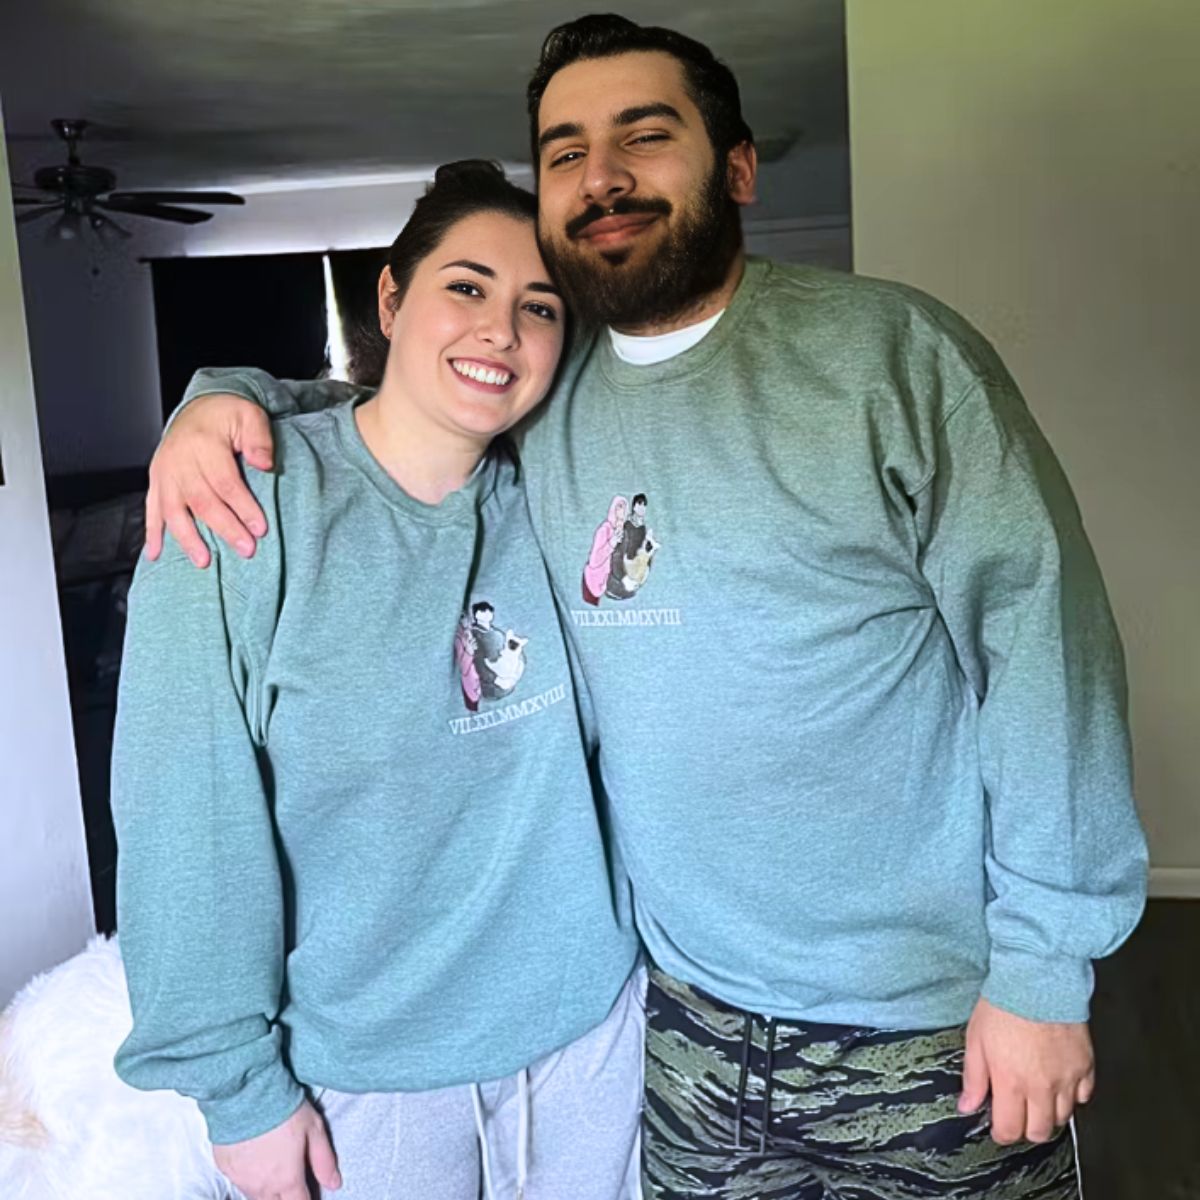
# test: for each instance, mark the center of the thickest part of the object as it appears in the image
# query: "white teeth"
(481, 374)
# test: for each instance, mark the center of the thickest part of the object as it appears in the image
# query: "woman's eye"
(545, 311)
(464, 288)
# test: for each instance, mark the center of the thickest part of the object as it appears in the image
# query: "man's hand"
(1036, 1071)
(275, 1165)
(194, 475)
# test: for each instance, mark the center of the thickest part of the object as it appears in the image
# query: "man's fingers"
(252, 437)
(154, 524)
(975, 1078)
(183, 529)
(1085, 1087)
(1064, 1107)
(221, 520)
(1040, 1117)
(232, 489)
(322, 1158)
(1008, 1116)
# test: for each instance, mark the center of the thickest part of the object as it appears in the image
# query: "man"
(630, 562)
(873, 858)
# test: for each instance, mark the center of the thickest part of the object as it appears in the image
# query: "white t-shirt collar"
(645, 351)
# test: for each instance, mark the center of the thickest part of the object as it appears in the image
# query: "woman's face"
(477, 337)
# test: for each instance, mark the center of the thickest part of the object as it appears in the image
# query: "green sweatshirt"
(860, 698)
(359, 848)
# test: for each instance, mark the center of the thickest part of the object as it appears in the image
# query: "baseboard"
(1175, 883)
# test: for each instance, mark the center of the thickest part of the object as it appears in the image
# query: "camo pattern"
(854, 1114)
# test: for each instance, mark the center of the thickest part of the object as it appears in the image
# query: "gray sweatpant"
(567, 1131)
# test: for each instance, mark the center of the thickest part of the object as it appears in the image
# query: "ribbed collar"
(633, 377)
(460, 505)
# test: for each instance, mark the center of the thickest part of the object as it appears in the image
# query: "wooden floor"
(1139, 1139)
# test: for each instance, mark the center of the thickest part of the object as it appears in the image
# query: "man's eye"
(648, 137)
(464, 288)
(566, 157)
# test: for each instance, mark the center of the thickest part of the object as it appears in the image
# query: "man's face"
(639, 509)
(636, 221)
(485, 617)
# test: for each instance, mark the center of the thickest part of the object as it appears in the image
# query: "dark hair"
(459, 190)
(640, 498)
(710, 84)
(476, 609)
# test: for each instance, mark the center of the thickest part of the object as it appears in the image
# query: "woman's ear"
(387, 302)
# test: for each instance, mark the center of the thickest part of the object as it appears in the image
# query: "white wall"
(1037, 165)
(45, 901)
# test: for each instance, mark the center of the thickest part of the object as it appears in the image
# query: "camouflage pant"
(851, 1114)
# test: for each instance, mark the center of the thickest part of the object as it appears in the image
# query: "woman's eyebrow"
(470, 266)
(549, 288)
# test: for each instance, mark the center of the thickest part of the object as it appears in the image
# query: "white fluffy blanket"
(70, 1129)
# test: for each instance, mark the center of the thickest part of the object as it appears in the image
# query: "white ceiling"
(225, 92)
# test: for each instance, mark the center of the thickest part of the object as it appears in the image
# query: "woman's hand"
(275, 1165)
(194, 475)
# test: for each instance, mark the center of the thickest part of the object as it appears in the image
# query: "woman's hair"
(459, 190)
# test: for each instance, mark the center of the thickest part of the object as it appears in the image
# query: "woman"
(608, 536)
(362, 882)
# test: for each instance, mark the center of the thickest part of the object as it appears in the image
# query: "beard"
(692, 261)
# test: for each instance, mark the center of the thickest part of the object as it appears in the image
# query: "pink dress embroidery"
(608, 534)
(464, 653)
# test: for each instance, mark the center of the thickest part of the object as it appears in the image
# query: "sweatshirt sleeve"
(279, 397)
(1020, 592)
(199, 888)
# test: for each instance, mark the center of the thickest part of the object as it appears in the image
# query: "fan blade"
(161, 212)
(32, 200)
(176, 198)
(33, 213)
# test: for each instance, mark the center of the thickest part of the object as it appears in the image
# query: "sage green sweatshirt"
(358, 844)
(860, 698)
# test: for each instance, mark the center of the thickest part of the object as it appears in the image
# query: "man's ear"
(741, 170)
(387, 302)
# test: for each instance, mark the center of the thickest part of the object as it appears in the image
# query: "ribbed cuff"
(1039, 988)
(264, 1101)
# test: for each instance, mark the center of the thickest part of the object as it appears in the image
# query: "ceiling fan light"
(67, 228)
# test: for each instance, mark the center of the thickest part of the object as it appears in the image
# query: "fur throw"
(69, 1127)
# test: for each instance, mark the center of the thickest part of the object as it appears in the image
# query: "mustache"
(654, 205)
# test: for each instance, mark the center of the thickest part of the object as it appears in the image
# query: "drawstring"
(522, 1136)
(741, 1088)
(766, 1117)
(477, 1104)
(522, 1131)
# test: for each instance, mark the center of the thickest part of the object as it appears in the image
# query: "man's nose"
(604, 179)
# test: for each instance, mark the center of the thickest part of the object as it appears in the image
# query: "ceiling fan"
(83, 195)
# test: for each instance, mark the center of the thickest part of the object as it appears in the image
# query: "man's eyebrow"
(555, 133)
(471, 266)
(630, 116)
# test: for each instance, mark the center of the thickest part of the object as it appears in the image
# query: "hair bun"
(467, 172)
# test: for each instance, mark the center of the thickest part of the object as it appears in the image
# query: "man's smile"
(617, 229)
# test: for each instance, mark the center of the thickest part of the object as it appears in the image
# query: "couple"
(868, 782)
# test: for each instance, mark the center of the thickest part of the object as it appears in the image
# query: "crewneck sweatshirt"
(359, 847)
(859, 693)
